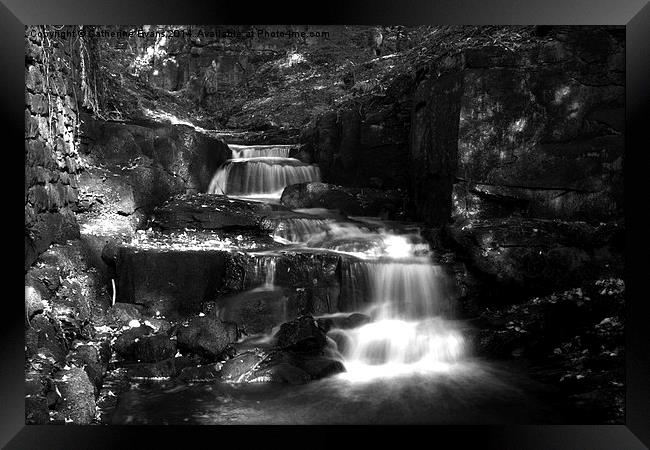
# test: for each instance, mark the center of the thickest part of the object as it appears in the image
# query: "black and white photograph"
(325, 224)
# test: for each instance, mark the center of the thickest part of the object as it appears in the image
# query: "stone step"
(179, 278)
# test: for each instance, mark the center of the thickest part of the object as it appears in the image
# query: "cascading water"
(408, 333)
(391, 278)
(261, 171)
(299, 230)
(404, 363)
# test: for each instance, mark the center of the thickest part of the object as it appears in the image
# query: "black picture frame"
(634, 14)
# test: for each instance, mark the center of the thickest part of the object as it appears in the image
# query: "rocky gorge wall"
(544, 128)
(51, 157)
(536, 130)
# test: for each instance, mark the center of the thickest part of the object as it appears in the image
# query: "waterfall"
(265, 271)
(269, 267)
(409, 332)
(261, 171)
(387, 272)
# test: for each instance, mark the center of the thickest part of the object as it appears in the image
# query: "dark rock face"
(301, 335)
(181, 281)
(555, 141)
(533, 255)
(206, 336)
(77, 401)
(433, 146)
(365, 147)
(350, 201)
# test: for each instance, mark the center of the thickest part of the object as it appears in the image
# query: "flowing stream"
(410, 364)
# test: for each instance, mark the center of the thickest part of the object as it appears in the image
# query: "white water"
(261, 171)
(400, 286)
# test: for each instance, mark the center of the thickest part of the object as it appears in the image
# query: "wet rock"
(301, 335)
(344, 322)
(154, 348)
(125, 344)
(206, 336)
(240, 367)
(77, 396)
(201, 373)
(281, 373)
(36, 410)
(256, 311)
(350, 201)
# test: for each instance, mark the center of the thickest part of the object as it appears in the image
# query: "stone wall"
(51, 159)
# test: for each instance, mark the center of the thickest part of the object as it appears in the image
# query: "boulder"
(206, 336)
(301, 335)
